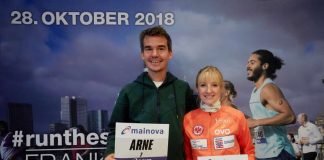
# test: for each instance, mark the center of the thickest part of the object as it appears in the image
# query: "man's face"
(301, 119)
(254, 68)
(156, 53)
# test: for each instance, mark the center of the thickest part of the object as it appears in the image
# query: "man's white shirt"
(311, 132)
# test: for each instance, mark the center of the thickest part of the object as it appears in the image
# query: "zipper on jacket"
(212, 139)
(158, 103)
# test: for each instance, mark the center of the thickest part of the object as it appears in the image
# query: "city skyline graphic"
(73, 113)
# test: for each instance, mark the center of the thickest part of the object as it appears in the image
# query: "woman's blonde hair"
(210, 72)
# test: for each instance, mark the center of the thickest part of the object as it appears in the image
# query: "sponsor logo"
(219, 143)
(146, 131)
(224, 142)
(126, 130)
(130, 130)
(222, 131)
(222, 121)
(198, 143)
(198, 130)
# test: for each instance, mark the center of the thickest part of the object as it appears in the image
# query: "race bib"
(259, 135)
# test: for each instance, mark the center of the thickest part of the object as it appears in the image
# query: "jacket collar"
(144, 79)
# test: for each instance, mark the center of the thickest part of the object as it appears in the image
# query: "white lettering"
(38, 140)
(60, 17)
(30, 155)
(222, 131)
(77, 135)
(111, 18)
(74, 16)
(98, 18)
(66, 157)
(123, 17)
(104, 137)
(58, 137)
(83, 19)
(51, 18)
(42, 157)
(92, 138)
(222, 120)
(29, 138)
(67, 136)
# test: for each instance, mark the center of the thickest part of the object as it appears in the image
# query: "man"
(156, 96)
(308, 135)
(270, 110)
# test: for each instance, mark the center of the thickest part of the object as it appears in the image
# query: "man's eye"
(148, 49)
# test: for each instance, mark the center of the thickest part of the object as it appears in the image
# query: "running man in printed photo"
(270, 109)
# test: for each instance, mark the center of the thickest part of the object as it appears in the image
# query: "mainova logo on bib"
(137, 130)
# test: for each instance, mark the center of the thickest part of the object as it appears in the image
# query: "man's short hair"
(155, 31)
(304, 116)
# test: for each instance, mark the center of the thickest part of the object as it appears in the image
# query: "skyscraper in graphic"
(21, 117)
(97, 120)
(74, 111)
(57, 128)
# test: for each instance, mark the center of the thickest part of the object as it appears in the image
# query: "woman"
(215, 129)
(230, 94)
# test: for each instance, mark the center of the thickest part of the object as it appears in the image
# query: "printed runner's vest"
(269, 140)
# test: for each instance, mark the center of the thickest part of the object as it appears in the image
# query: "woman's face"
(209, 91)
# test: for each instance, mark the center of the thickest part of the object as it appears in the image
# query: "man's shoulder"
(129, 86)
(270, 90)
(300, 128)
(270, 86)
(176, 80)
(307, 126)
(310, 124)
(181, 82)
(172, 78)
